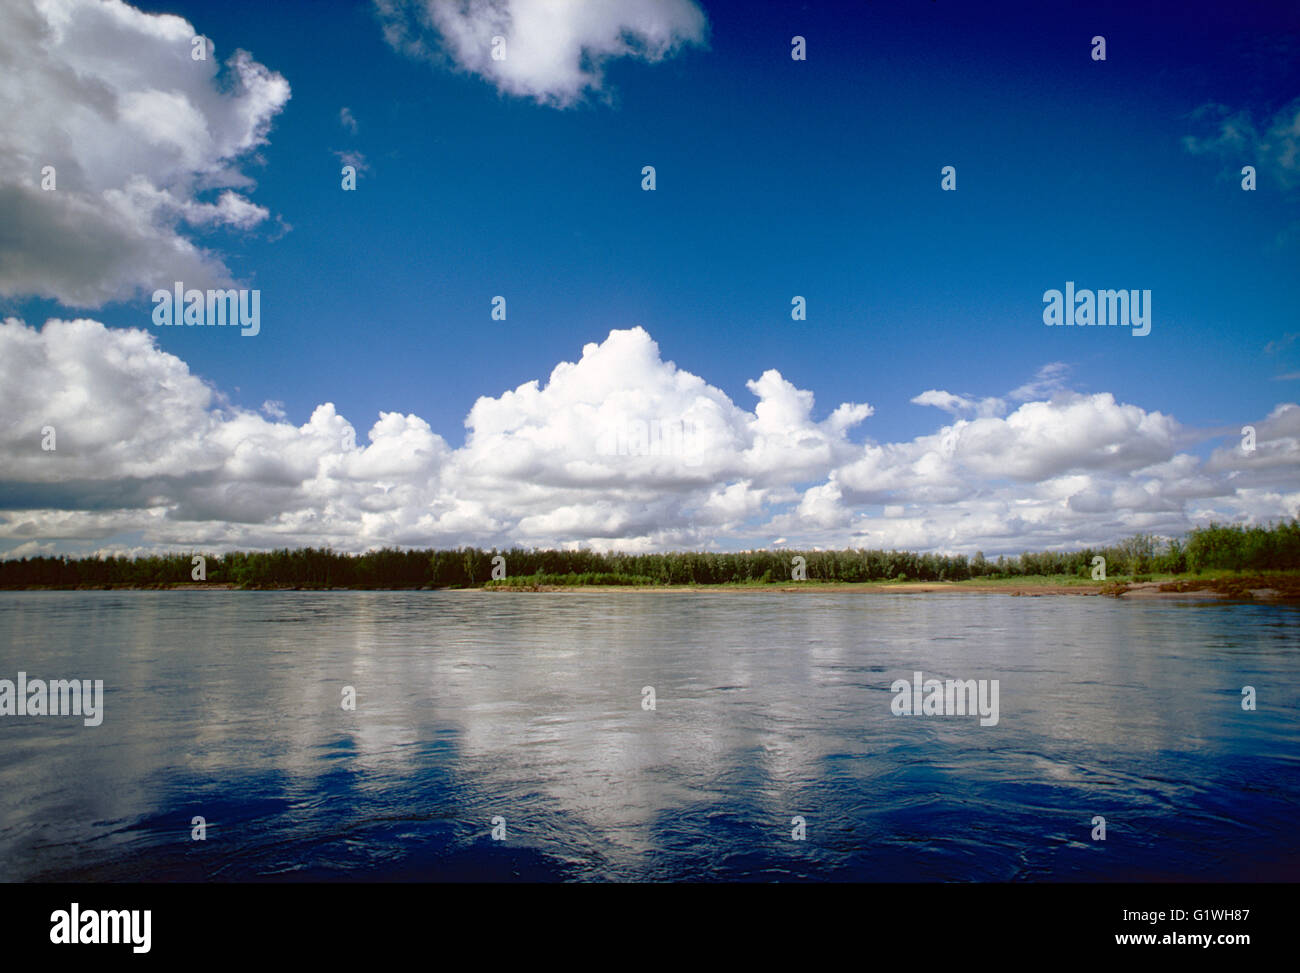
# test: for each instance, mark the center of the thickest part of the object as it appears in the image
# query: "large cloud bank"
(619, 449)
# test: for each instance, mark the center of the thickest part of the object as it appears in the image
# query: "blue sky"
(775, 178)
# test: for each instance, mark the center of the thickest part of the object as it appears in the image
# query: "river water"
(528, 710)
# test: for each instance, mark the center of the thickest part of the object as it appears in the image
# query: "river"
(772, 751)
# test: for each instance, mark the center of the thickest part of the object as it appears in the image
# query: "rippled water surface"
(769, 705)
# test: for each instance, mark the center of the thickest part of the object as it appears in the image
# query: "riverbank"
(1267, 586)
(1258, 588)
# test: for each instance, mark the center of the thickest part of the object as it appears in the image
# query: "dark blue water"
(769, 705)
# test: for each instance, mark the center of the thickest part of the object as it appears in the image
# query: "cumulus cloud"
(617, 449)
(140, 137)
(624, 446)
(552, 51)
(1275, 459)
(143, 444)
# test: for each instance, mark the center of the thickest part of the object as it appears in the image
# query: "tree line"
(1213, 548)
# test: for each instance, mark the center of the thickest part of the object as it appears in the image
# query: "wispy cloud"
(355, 159)
(1048, 379)
(1274, 347)
(1272, 146)
(959, 404)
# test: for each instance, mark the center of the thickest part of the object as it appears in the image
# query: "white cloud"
(149, 456)
(1044, 439)
(554, 50)
(1275, 460)
(958, 404)
(138, 134)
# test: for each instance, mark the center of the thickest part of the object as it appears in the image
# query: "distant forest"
(1213, 548)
